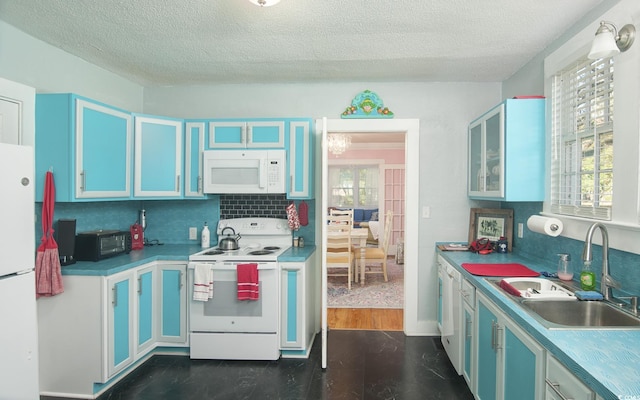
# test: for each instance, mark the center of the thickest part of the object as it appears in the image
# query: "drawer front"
(468, 293)
(561, 382)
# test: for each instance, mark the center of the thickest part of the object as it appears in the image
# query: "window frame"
(624, 226)
(357, 164)
(580, 100)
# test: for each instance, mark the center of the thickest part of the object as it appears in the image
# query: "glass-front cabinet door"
(507, 152)
(486, 155)
(476, 172)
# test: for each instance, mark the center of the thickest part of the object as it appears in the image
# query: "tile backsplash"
(168, 221)
(624, 266)
(266, 206)
(253, 205)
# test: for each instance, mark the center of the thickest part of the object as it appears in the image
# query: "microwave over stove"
(100, 244)
(244, 171)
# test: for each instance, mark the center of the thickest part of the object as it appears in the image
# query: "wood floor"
(385, 319)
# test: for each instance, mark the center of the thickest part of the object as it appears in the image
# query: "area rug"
(376, 293)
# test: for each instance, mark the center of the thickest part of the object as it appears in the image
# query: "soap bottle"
(204, 237)
(565, 272)
(587, 277)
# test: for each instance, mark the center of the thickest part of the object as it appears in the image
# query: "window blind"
(582, 139)
(353, 186)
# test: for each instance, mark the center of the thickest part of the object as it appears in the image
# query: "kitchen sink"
(553, 304)
(580, 314)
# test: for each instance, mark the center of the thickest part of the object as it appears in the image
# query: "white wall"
(34, 63)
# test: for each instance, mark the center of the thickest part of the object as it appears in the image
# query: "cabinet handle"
(493, 335)
(180, 281)
(556, 389)
(468, 327)
(114, 289)
(140, 286)
(243, 131)
(199, 184)
(82, 180)
(498, 343)
(177, 183)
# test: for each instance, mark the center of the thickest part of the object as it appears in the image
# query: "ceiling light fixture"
(338, 143)
(609, 41)
(265, 3)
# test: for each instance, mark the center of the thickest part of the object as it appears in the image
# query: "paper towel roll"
(545, 225)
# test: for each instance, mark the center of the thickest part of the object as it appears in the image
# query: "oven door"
(225, 313)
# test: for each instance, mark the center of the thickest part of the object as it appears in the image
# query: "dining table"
(359, 237)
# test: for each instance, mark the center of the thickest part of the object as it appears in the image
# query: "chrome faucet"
(606, 281)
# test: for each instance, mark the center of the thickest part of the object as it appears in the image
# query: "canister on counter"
(501, 245)
(296, 241)
(300, 241)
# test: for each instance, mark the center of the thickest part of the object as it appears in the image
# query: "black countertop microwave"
(100, 244)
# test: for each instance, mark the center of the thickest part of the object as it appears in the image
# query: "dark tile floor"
(361, 365)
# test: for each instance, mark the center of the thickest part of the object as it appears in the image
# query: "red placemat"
(509, 269)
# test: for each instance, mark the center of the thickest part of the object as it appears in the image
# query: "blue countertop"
(297, 254)
(167, 252)
(608, 360)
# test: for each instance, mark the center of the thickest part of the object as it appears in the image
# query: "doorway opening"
(411, 128)
(369, 178)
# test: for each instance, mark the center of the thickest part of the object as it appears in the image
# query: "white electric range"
(224, 327)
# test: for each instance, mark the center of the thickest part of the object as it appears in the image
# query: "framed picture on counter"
(492, 224)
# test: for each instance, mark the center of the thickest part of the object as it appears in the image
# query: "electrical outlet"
(426, 212)
(193, 233)
(520, 230)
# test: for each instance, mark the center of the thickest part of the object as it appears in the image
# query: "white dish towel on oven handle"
(202, 282)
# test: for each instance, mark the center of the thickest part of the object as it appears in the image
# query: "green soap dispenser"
(587, 277)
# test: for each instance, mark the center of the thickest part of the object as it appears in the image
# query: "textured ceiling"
(183, 42)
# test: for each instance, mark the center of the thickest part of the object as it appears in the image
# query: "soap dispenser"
(587, 277)
(565, 272)
(204, 238)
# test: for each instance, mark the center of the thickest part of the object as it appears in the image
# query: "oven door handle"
(227, 266)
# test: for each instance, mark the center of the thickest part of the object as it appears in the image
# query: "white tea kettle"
(229, 242)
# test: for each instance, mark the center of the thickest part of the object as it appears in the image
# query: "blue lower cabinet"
(120, 346)
(467, 364)
(173, 304)
(298, 322)
(292, 290)
(146, 309)
(510, 362)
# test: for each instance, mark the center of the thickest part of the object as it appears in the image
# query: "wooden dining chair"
(339, 250)
(377, 256)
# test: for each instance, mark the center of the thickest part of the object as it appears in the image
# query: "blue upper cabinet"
(265, 134)
(300, 160)
(158, 157)
(193, 148)
(86, 144)
(507, 151)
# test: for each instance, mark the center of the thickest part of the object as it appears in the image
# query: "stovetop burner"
(260, 252)
(271, 248)
(213, 252)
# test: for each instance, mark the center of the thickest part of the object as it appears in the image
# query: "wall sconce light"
(265, 3)
(338, 143)
(609, 41)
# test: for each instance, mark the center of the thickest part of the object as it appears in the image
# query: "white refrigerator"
(18, 318)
